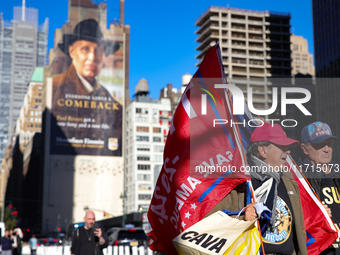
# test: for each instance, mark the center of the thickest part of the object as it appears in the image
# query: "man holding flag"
(202, 136)
(285, 232)
(185, 192)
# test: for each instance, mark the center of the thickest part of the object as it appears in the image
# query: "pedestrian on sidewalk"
(6, 243)
(33, 242)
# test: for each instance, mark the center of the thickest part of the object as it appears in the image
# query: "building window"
(157, 139)
(144, 196)
(177, 99)
(158, 148)
(142, 110)
(144, 187)
(158, 158)
(157, 130)
(142, 119)
(143, 167)
(143, 147)
(142, 138)
(142, 129)
(143, 157)
(144, 177)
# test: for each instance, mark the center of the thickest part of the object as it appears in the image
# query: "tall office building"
(302, 60)
(23, 47)
(23, 153)
(29, 121)
(255, 47)
(326, 38)
(326, 17)
(147, 124)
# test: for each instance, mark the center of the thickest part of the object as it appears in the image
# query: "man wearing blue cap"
(321, 171)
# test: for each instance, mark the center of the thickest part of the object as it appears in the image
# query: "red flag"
(320, 229)
(199, 139)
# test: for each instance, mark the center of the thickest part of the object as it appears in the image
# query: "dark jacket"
(314, 175)
(97, 115)
(75, 248)
(6, 243)
(235, 201)
(17, 250)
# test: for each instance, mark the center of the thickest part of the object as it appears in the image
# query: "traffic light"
(59, 229)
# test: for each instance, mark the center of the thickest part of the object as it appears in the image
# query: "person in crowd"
(6, 243)
(89, 239)
(17, 237)
(321, 170)
(33, 243)
(267, 155)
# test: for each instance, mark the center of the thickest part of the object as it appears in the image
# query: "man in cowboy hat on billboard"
(87, 120)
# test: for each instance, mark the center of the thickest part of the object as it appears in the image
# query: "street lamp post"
(123, 196)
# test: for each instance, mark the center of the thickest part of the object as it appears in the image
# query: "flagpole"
(240, 146)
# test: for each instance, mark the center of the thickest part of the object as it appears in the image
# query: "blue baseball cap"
(317, 132)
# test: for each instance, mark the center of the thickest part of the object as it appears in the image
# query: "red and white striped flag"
(320, 229)
(183, 195)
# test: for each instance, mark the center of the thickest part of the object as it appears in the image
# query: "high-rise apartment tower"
(23, 47)
(255, 47)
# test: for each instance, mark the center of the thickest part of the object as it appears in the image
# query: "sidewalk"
(65, 250)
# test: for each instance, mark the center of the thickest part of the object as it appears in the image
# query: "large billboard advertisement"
(87, 94)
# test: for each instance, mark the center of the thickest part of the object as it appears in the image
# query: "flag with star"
(202, 157)
(320, 229)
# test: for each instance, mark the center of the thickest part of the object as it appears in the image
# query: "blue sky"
(163, 35)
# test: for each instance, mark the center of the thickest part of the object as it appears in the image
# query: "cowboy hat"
(88, 30)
